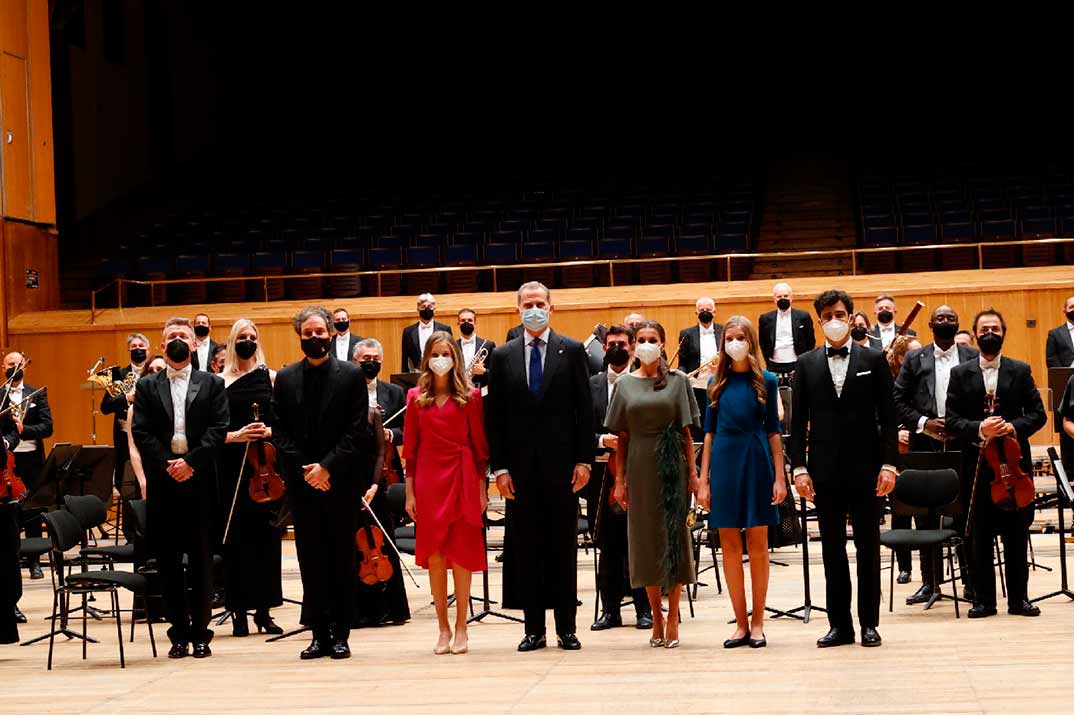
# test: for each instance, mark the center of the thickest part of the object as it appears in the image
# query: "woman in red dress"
(446, 455)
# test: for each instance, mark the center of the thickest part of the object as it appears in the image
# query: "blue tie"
(536, 371)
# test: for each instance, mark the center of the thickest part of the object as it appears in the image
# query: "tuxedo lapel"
(928, 367)
(853, 361)
(1064, 335)
(192, 391)
(552, 353)
(1004, 381)
(164, 390)
(826, 375)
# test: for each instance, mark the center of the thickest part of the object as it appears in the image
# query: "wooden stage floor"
(929, 663)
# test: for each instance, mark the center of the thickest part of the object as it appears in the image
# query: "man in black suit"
(34, 427)
(206, 347)
(137, 348)
(1019, 414)
(886, 328)
(10, 579)
(921, 404)
(321, 441)
(608, 518)
(343, 340)
(539, 417)
(516, 332)
(843, 412)
(785, 333)
(470, 345)
(700, 343)
(180, 423)
(1060, 346)
(415, 336)
(389, 398)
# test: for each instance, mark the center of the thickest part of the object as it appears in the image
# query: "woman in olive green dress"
(652, 410)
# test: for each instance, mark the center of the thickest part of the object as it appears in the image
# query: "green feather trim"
(669, 462)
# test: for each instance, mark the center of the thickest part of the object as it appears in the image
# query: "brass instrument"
(479, 356)
(711, 364)
(114, 388)
(16, 409)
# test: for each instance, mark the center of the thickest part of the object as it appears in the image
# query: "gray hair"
(426, 298)
(136, 336)
(368, 343)
(533, 285)
(306, 313)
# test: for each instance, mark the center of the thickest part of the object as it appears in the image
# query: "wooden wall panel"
(15, 184)
(14, 27)
(27, 246)
(43, 176)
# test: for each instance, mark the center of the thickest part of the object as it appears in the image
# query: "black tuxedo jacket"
(479, 380)
(194, 360)
(915, 387)
(805, 339)
(844, 439)
(392, 398)
(117, 406)
(1019, 404)
(412, 345)
(352, 340)
(554, 430)
(37, 422)
(206, 428)
(875, 332)
(1059, 348)
(515, 332)
(690, 340)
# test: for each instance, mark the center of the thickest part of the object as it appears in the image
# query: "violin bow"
(677, 351)
(235, 497)
(390, 541)
(385, 422)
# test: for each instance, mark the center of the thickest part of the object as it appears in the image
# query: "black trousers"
(178, 530)
(904, 554)
(28, 467)
(989, 522)
(325, 524)
(10, 582)
(834, 505)
(613, 568)
(535, 620)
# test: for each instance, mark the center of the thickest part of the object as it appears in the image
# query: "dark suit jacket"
(1059, 349)
(849, 436)
(690, 352)
(805, 338)
(351, 342)
(213, 345)
(875, 332)
(338, 442)
(915, 387)
(206, 427)
(479, 380)
(117, 406)
(392, 398)
(515, 332)
(412, 346)
(555, 431)
(37, 422)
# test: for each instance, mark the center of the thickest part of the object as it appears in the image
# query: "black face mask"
(426, 314)
(138, 356)
(178, 350)
(371, 368)
(884, 317)
(990, 343)
(705, 316)
(783, 303)
(315, 347)
(342, 325)
(246, 349)
(467, 329)
(944, 331)
(1070, 316)
(10, 372)
(858, 333)
(617, 355)
(201, 330)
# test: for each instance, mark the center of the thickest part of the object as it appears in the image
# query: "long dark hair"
(662, 364)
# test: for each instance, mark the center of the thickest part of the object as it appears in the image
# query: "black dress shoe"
(737, 642)
(870, 638)
(531, 643)
(201, 650)
(179, 650)
(20, 617)
(903, 577)
(265, 624)
(240, 626)
(1025, 608)
(922, 595)
(316, 649)
(982, 611)
(568, 641)
(836, 636)
(340, 650)
(606, 621)
(35, 571)
(644, 622)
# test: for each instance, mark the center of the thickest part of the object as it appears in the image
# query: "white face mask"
(835, 330)
(647, 352)
(737, 349)
(441, 365)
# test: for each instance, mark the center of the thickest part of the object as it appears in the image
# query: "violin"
(11, 487)
(375, 566)
(266, 484)
(1011, 487)
(391, 457)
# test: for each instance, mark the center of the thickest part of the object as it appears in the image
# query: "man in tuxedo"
(470, 344)
(539, 419)
(1059, 350)
(206, 346)
(389, 398)
(633, 320)
(34, 427)
(216, 361)
(343, 340)
(180, 423)
(321, 441)
(785, 333)
(137, 348)
(10, 578)
(964, 338)
(843, 447)
(1019, 414)
(608, 518)
(415, 336)
(700, 343)
(886, 328)
(921, 404)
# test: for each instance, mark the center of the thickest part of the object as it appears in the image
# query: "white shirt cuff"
(498, 472)
(889, 468)
(582, 464)
(800, 470)
(921, 424)
(601, 443)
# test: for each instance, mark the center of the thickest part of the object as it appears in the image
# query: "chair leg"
(891, 584)
(954, 586)
(52, 635)
(999, 560)
(149, 625)
(716, 570)
(119, 626)
(596, 585)
(84, 639)
(690, 600)
(134, 619)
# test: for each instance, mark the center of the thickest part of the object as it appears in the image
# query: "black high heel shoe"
(265, 624)
(240, 627)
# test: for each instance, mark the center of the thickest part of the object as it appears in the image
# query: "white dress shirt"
(343, 343)
(1070, 328)
(887, 333)
(709, 348)
(15, 398)
(179, 380)
(990, 373)
(425, 331)
(203, 353)
(783, 352)
(529, 347)
(613, 376)
(469, 348)
(371, 388)
(945, 361)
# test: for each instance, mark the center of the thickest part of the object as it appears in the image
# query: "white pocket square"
(866, 372)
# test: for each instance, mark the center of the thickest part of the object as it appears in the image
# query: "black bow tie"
(839, 352)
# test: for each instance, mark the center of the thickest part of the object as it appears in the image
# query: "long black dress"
(252, 555)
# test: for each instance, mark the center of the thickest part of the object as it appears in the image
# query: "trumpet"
(114, 388)
(479, 356)
(16, 409)
(707, 366)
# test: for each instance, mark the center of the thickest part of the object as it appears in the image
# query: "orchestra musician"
(343, 340)
(415, 336)
(137, 347)
(886, 328)
(471, 346)
(10, 573)
(206, 346)
(700, 343)
(784, 333)
(1059, 349)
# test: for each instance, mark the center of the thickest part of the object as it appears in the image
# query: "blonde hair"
(459, 384)
(231, 358)
(896, 352)
(724, 364)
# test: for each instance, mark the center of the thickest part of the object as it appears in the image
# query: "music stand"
(485, 600)
(1064, 494)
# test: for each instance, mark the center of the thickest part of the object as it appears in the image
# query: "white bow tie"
(613, 376)
(179, 374)
(950, 352)
(990, 364)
